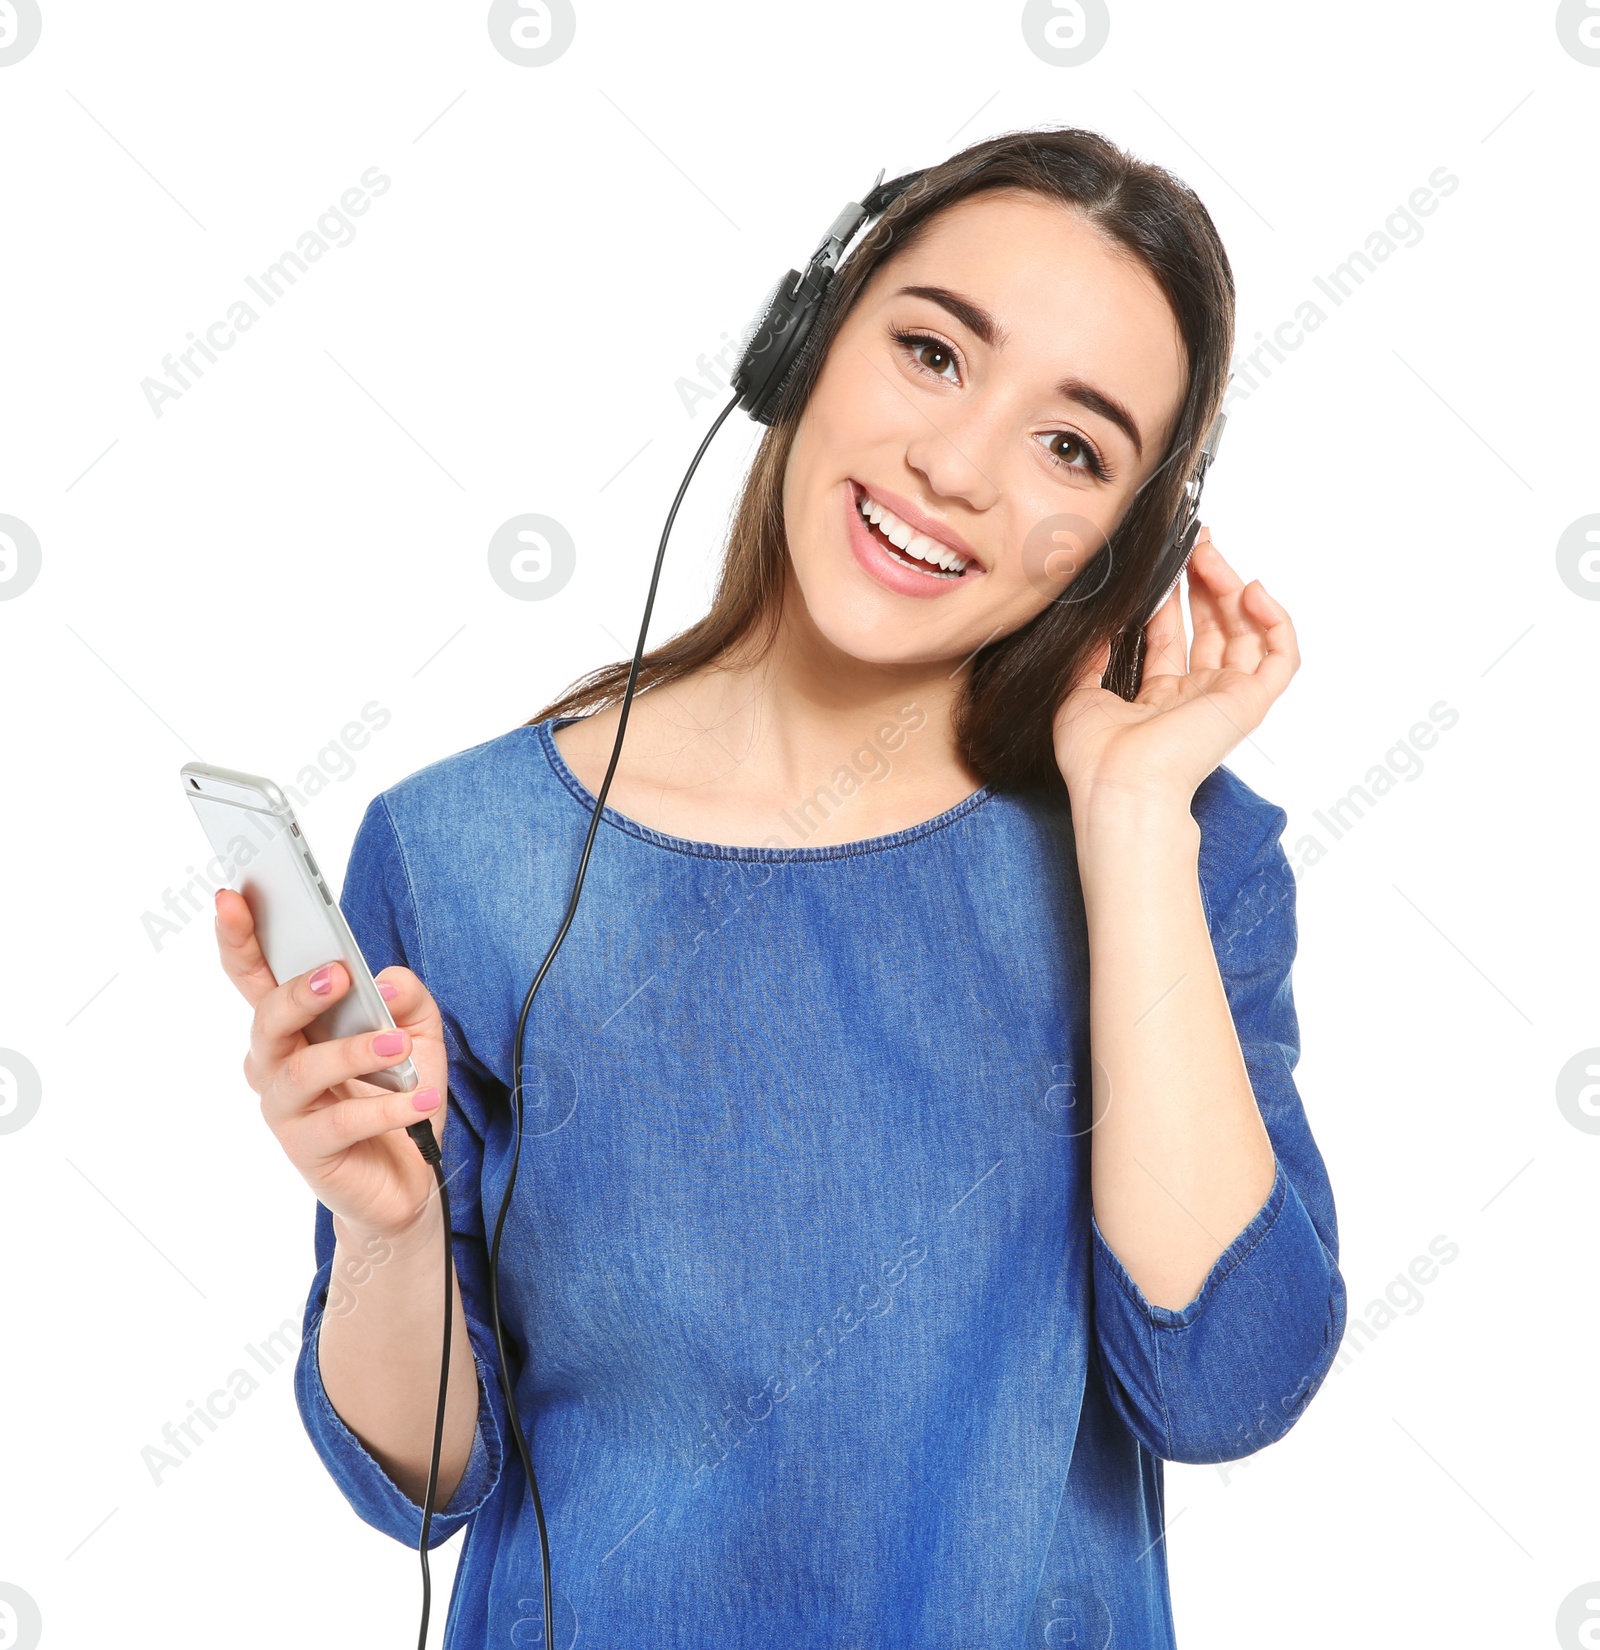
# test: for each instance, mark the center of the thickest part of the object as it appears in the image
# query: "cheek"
(855, 409)
(846, 431)
(1062, 555)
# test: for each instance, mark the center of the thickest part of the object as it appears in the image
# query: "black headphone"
(774, 344)
(776, 339)
(1185, 529)
(771, 348)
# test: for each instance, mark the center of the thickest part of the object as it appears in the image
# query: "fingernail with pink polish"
(426, 1099)
(322, 981)
(387, 991)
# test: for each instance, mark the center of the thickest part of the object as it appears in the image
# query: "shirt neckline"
(545, 731)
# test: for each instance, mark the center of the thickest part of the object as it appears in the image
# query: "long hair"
(1005, 713)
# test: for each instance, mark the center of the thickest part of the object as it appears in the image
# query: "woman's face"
(1029, 395)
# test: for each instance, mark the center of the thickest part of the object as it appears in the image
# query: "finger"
(283, 1014)
(242, 958)
(1166, 642)
(302, 1076)
(1205, 612)
(1281, 658)
(1250, 693)
(1242, 638)
(408, 998)
(332, 1130)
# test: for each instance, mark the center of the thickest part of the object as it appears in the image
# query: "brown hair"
(1003, 719)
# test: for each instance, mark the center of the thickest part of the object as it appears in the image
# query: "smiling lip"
(919, 521)
(888, 570)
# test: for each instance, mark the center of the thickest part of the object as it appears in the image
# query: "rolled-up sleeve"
(1233, 1370)
(377, 902)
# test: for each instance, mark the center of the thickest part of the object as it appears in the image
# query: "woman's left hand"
(1196, 702)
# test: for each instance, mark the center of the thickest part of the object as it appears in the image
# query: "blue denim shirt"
(815, 1337)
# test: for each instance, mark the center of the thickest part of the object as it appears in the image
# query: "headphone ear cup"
(786, 368)
(765, 348)
(747, 337)
(775, 345)
(767, 413)
(1167, 571)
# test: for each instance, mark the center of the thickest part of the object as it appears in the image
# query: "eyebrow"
(983, 325)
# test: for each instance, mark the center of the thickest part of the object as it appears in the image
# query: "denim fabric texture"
(815, 1338)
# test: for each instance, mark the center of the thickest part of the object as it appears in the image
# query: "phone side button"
(327, 898)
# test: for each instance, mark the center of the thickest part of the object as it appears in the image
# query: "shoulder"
(501, 788)
(1240, 841)
(485, 839)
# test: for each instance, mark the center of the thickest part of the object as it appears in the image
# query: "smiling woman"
(1011, 358)
(895, 1201)
(1046, 322)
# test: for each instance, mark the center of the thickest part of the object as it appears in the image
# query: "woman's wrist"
(1110, 815)
(1132, 850)
(356, 1244)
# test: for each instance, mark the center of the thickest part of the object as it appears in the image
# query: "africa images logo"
(20, 25)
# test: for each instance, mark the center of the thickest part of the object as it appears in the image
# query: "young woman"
(912, 1157)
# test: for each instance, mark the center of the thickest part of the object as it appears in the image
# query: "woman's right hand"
(345, 1136)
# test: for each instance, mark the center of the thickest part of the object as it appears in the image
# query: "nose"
(952, 461)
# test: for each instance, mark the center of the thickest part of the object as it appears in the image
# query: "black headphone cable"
(422, 1133)
(428, 1144)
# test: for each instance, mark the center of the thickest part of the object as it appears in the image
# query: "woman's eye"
(1077, 454)
(935, 357)
(929, 354)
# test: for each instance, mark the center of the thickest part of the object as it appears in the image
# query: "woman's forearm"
(379, 1355)
(1181, 1158)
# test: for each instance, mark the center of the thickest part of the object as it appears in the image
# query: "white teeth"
(904, 538)
(931, 550)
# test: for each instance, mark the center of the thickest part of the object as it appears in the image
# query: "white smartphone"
(266, 857)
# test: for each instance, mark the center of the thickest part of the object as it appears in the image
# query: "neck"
(791, 718)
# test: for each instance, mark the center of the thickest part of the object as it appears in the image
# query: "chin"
(873, 648)
(845, 621)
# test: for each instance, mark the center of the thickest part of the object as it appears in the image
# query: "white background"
(305, 531)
